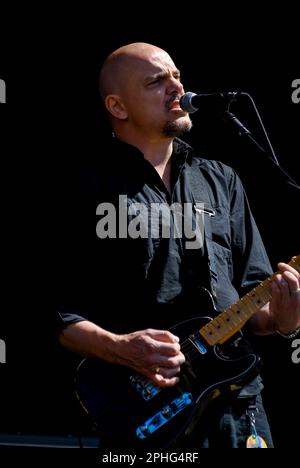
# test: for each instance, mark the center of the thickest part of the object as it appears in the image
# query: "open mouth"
(174, 105)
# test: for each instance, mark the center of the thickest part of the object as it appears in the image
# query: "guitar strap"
(201, 193)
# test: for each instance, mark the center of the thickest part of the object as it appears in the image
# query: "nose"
(175, 86)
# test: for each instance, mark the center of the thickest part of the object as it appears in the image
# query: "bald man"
(144, 106)
(148, 279)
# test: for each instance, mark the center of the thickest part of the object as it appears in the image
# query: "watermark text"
(152, 220)
(2, 92)
(296, 92)
(296, 352)
(2, 352)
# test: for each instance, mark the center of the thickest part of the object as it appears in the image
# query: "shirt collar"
(182, 151)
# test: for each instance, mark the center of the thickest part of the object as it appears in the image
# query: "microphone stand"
(243, 131)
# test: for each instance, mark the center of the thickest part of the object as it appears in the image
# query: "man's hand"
(153, 353)
(282, 313)
(285, 303)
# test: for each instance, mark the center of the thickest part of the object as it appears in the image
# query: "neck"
(159, 156)
(158, 152)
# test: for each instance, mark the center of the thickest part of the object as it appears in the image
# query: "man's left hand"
(285, 303)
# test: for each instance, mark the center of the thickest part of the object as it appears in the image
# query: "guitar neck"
(232, 319)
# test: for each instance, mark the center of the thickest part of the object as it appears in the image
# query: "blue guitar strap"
(201, 193)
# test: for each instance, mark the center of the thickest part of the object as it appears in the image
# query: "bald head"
(119, 65)
(140, 87)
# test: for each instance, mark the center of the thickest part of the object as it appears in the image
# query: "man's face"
(151, 93)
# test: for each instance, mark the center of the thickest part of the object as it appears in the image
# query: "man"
(124, 291)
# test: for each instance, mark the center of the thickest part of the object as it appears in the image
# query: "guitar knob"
(166, 412)
(144, 430)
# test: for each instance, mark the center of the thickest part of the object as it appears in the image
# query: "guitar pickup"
(199, 346)
(162, 417)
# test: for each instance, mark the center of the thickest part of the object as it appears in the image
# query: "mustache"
(170, 101)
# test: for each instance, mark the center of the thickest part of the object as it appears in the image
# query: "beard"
(177, 128)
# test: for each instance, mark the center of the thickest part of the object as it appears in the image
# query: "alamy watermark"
(2, 352)
(296, 93)
(152, 220)
(2, 92)
(296, 352)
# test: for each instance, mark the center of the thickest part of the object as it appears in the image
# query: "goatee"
(175, 129)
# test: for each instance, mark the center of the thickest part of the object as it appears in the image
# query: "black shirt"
(126, 283)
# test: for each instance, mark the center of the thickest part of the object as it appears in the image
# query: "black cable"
(243, 131)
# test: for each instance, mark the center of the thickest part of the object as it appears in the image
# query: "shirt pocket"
(221, 241)
(223, 262)
(221, 226)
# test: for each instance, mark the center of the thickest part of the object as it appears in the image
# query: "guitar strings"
(190, 349)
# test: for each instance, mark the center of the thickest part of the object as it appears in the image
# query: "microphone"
(191, 102)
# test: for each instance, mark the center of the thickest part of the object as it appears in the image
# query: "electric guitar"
(131, 410)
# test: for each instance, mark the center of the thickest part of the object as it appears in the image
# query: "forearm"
(90, 340)
(144, 351)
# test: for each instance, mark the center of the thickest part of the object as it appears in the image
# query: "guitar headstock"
(295, 263)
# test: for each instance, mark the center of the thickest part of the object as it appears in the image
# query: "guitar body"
(131, 411)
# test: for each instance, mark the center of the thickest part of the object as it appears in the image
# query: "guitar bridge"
(144, 387)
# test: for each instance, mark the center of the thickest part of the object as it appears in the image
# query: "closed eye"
(157, 80)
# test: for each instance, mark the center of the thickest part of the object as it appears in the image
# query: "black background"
(53, 118)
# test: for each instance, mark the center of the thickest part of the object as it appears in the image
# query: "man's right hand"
(153, 353)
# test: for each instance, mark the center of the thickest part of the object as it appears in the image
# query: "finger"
(285, 267)
(162, 347)
(170, 361)
(284, 289)
(291, 279)
(276, 285)
(162, 335)
(162, 381)
(166, 349)
(280, 281)
(276, 294)
(167, 372)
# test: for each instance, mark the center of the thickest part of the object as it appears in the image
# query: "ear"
(114, 105)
